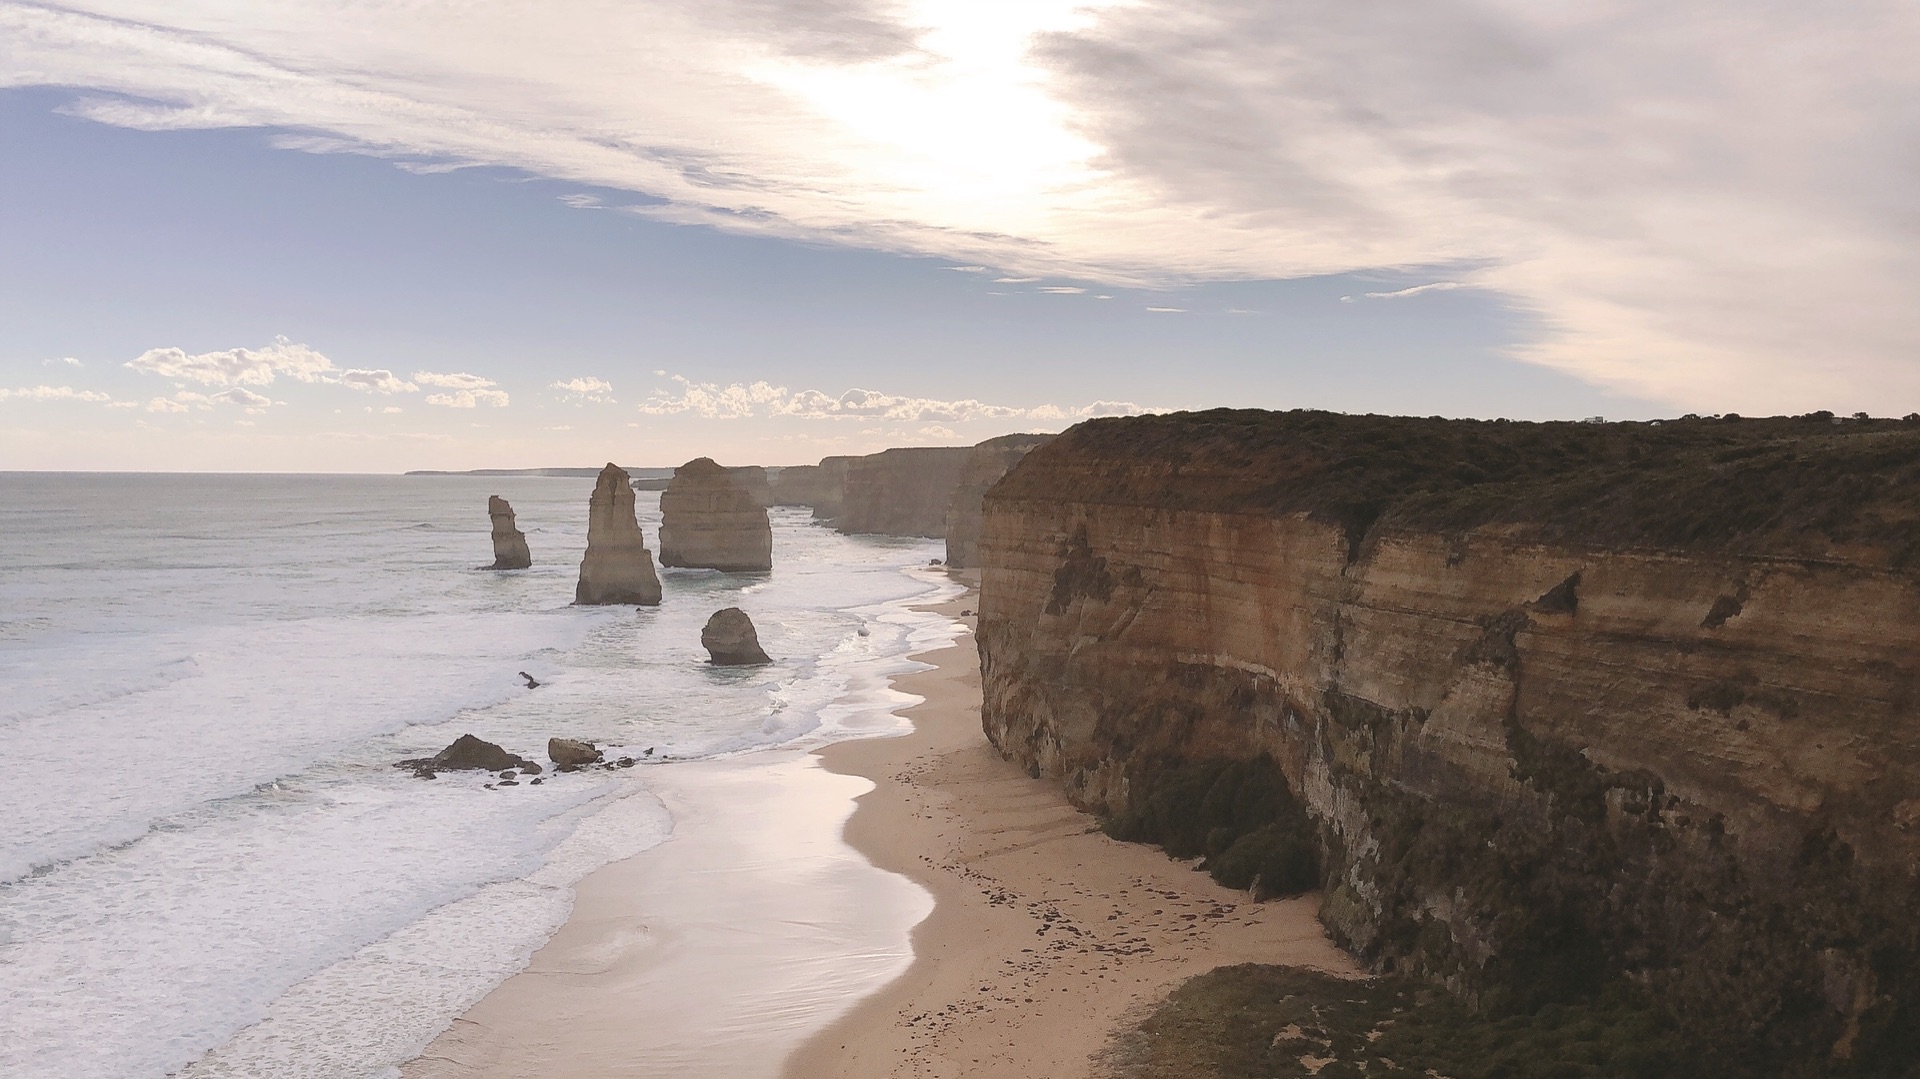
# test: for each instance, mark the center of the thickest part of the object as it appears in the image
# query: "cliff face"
(617, 568)
(753, 480)
(901, 492)
(1564, 705)
(820, 486)
(989, 461)
(509, 543)
(708, 519)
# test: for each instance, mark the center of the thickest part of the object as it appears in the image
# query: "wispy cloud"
(469, 391)
(1599, 166)
(598, 390)
(53, 393)
(1062, 290)
(1169, 310)
(1416, 290)
(766, 401)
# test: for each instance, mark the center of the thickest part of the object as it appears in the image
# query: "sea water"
(208, 863)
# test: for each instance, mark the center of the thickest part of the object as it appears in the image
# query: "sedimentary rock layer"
(821, 487)
(988, 461)
(509, 543)
(617, 568)
(1566, 703)
(901, 492)
(709, 520)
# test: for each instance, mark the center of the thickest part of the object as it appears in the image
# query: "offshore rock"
(1563, 705)
(709, 520)
(509, 543)
(753, 480)
(987, 462)
(467, 754)
(730, 640)
(901, 492)
(569, 753)
(618, 568)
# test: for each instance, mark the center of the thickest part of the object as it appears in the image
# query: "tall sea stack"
(709, 520)
(618, 567)
(509, 543)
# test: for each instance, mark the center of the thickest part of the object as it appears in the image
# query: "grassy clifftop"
(1804, 487)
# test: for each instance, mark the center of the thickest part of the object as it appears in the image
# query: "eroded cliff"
(617, 567)
(1566, 705)
(901, 492)
(988, 461)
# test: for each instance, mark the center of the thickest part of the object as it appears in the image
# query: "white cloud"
(588, 389)
(70, 361)
(469, 398)
(1169, 310)
(375, 381)
(53, 393)
(764, 400)
(458, 380)
(1014, 280)
(164, 404)
(1063, 290)
(1711, 203)
(235, 366)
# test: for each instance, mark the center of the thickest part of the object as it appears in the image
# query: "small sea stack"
(730, 640)
(618, 568)
(509, 543)
(710, 520)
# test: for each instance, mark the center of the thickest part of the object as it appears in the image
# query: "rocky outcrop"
(730, 639)
(617, 568)
(708, 520)
(509, 543)
(467, 754)
(821, 487)
(1565, 705)
(753, 480)
(901, 492)
(988, 461)
(570, 754)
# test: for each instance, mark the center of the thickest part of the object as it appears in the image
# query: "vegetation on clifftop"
(1791, 486)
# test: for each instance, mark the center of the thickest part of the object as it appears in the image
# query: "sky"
(374, 236)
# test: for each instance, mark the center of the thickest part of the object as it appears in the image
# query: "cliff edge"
(1553, 707)
(986, 463)
(901, 492)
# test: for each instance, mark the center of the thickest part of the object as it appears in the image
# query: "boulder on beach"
(730, 640)
(509, 543)
(709, 519)
(570, 753)
(618, 567)
(468, 754)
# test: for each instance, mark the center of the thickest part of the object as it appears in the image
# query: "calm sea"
(204, 681)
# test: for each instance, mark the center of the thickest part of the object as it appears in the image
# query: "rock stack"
(509, 543)
(730, 640)
(618, 567)
(708, 520)
(818, 487)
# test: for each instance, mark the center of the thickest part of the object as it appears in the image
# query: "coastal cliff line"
(1549, 707)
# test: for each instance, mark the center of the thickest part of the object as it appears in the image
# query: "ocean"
(204, 844)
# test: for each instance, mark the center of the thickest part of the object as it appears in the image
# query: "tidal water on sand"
(205, 681)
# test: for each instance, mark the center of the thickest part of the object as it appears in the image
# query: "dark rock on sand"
(569, 753)
(730, 640)
(509, 543)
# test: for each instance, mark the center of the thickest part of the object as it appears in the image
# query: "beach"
(884, 906)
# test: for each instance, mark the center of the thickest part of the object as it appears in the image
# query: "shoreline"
(1046, 937)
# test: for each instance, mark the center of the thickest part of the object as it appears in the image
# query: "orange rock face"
(709, 519)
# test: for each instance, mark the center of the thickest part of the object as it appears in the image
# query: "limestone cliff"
(821, 487)
(509, 543)
(618, 568)
(753, 480)
(901, 492)
(708, 519)
(987, 462)
(1565, 704)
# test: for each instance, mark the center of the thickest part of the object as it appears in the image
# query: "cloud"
(1169, 310)
(1063, 290)
(1708, 203)
(245, 398)
(458, 380)
(70, 361)
(764, 400)
(588, 389)
(1014, 280)
(235, 366)
(375, 381)
(469, 399)
(53, 393)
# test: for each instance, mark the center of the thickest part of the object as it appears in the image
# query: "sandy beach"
(901, 906)
(1045, 935)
